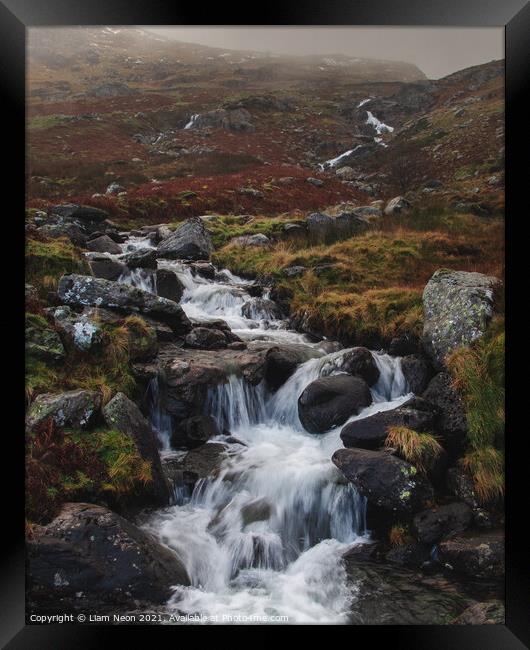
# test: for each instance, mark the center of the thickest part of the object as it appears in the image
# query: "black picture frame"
(15, 17)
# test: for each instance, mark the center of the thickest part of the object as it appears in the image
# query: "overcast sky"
(437, 51)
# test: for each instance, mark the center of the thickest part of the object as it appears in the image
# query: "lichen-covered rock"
(259, 239)
(81, 290)
(81, 330)
(190, 241)
(476, 555)
(385, 480)
(123, 415)
(89, 558)
(322, 227)
(457, 308)
(41, 341)
(77, 409)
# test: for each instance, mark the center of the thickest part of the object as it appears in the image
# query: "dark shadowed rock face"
(77, 409)
(81, 290)
(142, 258)
(72, 211)
(191, 241)
(105, 267)
(452, 421)
(418, 371)
(329, 401)
(489, 613)
(359, 362)
(123, 415)
(194, 432)
(386, 481)
(88, 556)
(201, 462)
(457, 309)
(168, 285)
(432, 525)
(371, 432)
(103, 244)
(476, 555)
(206, 338)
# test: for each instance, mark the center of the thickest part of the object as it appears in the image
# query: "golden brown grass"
(419, 449)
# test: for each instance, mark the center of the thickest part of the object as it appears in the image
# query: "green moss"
(47, 261)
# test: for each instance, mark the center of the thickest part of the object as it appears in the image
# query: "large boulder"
(261, 309)
(430, 526)
(103, 244)
(80, 290)
(124, 416)
(360, 362)
(191, 241)
(371, 432)
(387, 481)
(476, 555)
(189, 374)
(418, 371)
(322, 227)
(81, 213)
(457, 308)
(89, 558)
(195, 431)
(206, 338)
(65, 229)
(142, 258)
(452, 421)
(78, 409)
(259, 239)
(168, 285)
(329, 401)
(283, 361)
(103, 266)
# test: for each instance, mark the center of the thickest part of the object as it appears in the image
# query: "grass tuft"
(419, 449)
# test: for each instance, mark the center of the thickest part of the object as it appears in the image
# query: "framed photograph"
(264, 321)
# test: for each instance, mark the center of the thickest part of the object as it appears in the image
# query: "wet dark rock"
(142, 258)
(206, 338)
(389, 594)
(190, 241)
(478, 555)
(80, 290)
(82, 213)
(168, 285)
(201, 462)
(103, 244)
(401, 346)
(371, 432)
(124, 416)
(359, 362)
(452, 421)
(329, 401)
(204, 270)
(105, 267)
(460, 483)
(418, 371)
(430, 526)
(410, 554)
(257, 510)
(387, 481)
(457, 308)
(194, 432)
(283, 360)
(488, 613)
(261, 309)
(91, 559)
(76, 409)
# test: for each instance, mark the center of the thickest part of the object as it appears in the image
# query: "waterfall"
(139, 278)
(266, 533)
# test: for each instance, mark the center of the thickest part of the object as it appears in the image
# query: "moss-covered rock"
(42, 342)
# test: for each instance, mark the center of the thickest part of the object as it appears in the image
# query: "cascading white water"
(265, 536)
